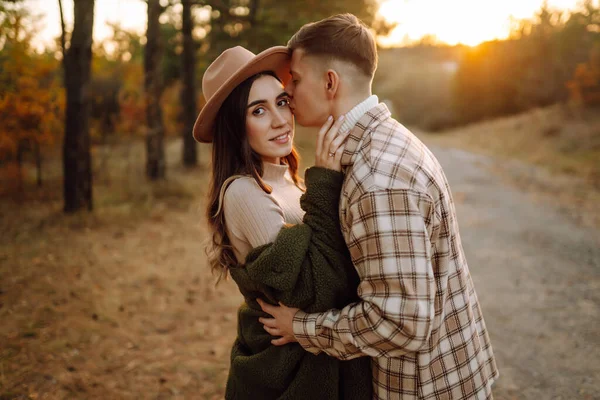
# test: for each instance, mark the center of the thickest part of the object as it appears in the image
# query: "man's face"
(307, 90)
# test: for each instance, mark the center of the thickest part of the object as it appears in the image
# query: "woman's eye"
(283, 102)
(259, 111)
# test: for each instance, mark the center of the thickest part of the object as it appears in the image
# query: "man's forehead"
(296, 63)
(300, 62)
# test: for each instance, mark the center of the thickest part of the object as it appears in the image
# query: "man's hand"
(281, 324)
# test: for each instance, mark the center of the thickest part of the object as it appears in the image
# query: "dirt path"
(119, 307)
(537, 275)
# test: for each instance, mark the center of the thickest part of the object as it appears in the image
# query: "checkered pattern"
(419, 317)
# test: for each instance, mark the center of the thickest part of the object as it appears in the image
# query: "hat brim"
(276, 59)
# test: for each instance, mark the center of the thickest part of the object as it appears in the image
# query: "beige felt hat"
(231, 68)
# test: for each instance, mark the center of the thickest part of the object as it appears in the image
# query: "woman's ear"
(332, 83)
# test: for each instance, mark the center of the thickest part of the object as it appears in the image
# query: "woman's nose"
(278, 118)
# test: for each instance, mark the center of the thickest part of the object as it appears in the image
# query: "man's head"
(333, 63)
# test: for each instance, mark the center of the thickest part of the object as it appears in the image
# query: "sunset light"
(468, 22)
(162, 186)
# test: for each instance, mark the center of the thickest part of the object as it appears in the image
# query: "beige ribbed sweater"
(253, 217)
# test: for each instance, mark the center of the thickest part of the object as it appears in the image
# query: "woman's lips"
(282, 139)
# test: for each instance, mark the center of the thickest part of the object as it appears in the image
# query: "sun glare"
(468, 22)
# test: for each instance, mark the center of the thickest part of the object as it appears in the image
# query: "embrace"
(355, 281)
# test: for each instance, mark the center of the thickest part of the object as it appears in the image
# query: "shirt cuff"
(304, 327)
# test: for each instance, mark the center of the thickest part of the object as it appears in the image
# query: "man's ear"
(332, 83)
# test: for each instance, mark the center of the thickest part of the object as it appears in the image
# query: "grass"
(96, 305)
(118, 303)
(564, 140)
(416, 83)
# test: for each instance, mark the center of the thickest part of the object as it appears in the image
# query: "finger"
(270, 322)
(322, 133)
(338, 157)
(338, 141)
(272, 331)
(269, 309)
(335, 162)
(332, 133)
(339, 152)
(281, 341)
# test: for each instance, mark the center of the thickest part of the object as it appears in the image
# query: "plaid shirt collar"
(367, 122)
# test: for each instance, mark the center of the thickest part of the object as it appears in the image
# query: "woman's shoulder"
(250, 212)
(244, 192)
(241, 188)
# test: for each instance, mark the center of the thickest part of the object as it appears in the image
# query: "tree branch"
(62, 34)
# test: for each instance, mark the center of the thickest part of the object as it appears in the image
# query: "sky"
(468, 22)
(458, 21)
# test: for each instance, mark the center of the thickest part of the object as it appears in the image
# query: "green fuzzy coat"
(308, 266)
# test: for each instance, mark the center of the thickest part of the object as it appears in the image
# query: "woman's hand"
(331, 144)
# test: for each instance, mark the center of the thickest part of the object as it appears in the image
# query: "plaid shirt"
(419, 317)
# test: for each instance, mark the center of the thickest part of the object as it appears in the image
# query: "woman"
(277, 243)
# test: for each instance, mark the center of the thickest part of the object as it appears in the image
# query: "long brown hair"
(231, 156)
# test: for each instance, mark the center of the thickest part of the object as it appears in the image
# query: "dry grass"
(416, 83)
(563, 139)
(118, 303)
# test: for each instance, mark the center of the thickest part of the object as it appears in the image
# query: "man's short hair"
(343, 37)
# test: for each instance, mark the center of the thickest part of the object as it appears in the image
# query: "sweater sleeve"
(251, 214)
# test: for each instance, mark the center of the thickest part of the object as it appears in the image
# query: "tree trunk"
(38, 163)
(188, 91)
(63, 34)
(155, 162)
(20, 156)
(77, 162)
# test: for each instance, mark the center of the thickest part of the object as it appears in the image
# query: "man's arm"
(391, 250)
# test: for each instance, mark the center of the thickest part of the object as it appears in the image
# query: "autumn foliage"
(547, 60)
(585, 85)
(31, 105)
(32, 99)
(552, 58)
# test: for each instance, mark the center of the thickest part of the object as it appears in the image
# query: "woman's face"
(269, 120)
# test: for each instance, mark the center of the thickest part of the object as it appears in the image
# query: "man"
(419, 317)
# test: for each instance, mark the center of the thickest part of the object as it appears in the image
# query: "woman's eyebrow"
(260, 101)
(255, 102)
